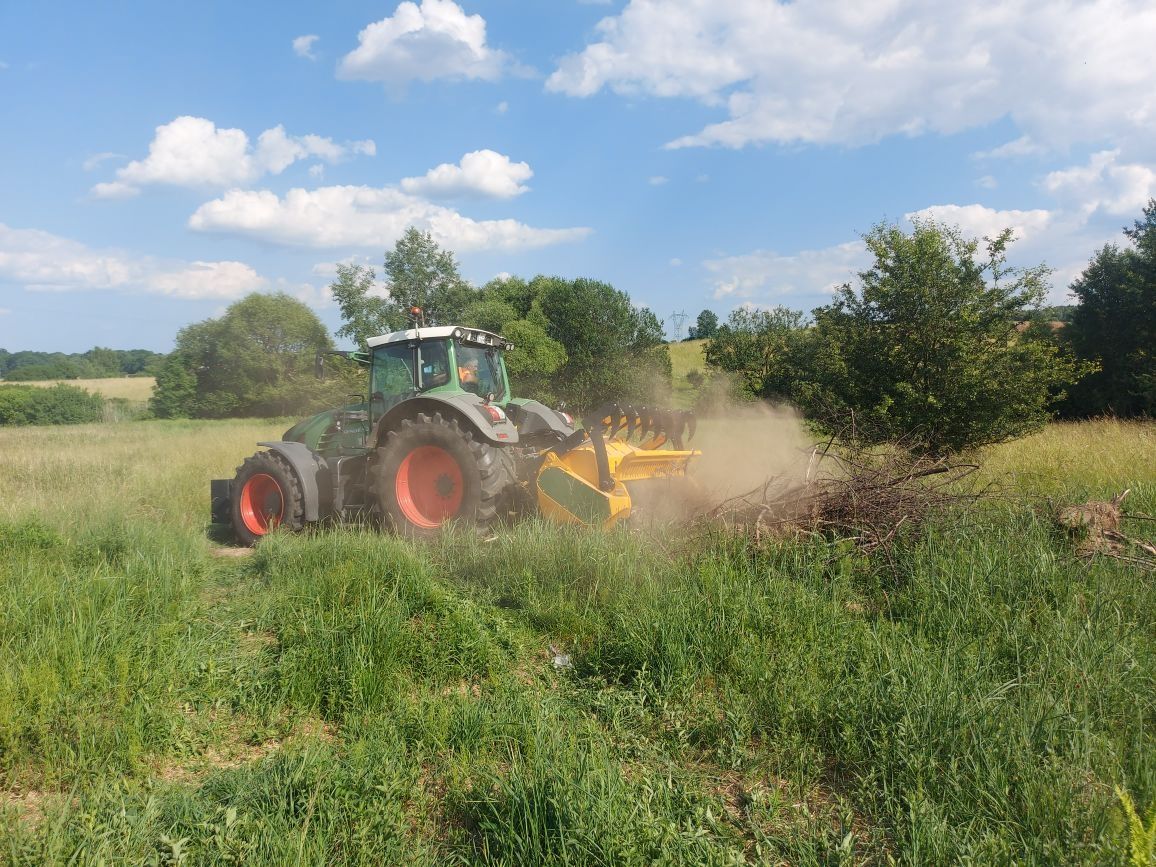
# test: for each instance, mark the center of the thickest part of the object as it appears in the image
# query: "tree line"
(576, 341)
(97, 363)
(940, 342)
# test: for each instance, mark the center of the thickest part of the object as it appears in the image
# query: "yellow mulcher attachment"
(583, 479)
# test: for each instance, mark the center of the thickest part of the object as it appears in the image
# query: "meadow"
(131, 388)
(685, 356)
(561, 696)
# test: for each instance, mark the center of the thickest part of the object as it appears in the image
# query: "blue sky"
(159, 161)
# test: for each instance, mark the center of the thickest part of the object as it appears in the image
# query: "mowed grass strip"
(352, 698)
(137, 389)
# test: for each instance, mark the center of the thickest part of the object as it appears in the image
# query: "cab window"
(392, 376)
(434, 363)
(479, 370)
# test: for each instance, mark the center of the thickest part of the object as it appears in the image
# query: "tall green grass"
(344, 697)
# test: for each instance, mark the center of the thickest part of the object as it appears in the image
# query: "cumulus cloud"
(483, 173)
(303, 46)
(1104, 184)
(41, 261)
(423, 43)
(979, 221)
(194, 152)
(361, 216)
(820, 72)
(778, 277)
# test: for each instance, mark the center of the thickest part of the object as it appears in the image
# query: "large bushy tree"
(762, 350)
(256, 360)
(614, 350)
(417, 273)
(1114, 326)
(704, 326)
(926, 349)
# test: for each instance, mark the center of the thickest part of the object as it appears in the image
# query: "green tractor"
(440, 438)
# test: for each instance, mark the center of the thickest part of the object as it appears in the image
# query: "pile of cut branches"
(868, 496)
(1095, 528)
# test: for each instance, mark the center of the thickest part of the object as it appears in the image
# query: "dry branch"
(864, 495)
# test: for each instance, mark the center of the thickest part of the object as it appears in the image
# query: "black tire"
(429, 471)
(266, 494)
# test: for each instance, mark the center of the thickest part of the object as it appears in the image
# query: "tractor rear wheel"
(266, 495)
(429, 472)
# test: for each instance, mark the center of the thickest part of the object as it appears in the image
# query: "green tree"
(614, 351)
(417, 273)
(256, 360)
(366, 311)
(1114, 326)
(927, 350)
(421, 274)
(762, 348)
(175, 394)
(705, 326)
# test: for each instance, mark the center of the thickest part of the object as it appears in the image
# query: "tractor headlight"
(497, 416)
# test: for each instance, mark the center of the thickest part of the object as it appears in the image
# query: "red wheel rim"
(429, 487)
(262, 504)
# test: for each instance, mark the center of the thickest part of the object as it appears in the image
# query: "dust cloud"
(743, 446)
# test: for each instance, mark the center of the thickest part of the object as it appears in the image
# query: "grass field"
(344, 697)
(685, 357)
(132, 388)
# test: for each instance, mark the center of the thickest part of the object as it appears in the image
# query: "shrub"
(60, 404)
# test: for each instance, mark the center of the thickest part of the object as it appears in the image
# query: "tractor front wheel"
(430, 472)
(266, 495)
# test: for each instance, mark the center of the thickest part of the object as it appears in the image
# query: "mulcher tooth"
(678, 425)
(631, 422)
(647, 423)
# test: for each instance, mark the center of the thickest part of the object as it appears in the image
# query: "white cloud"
(303, 46)
(1020, 147)
(41, 261)
(423, 43)
(3, 65)
(4, 311)
(483, 173)
(317, 170)
(822, 72)
(1103, 184)
(361, 216)
(988, 182)
(978, 221)
(502, 107)
(657, 180)
(96, 159)
(676, 263)
(773, 275)
(194, 152)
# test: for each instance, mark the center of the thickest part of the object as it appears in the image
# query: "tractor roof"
(470, 335)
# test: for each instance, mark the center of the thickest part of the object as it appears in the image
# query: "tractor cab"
(440, 360)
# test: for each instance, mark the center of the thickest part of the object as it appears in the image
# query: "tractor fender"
(536, 418)
(310, 469)
(466, 408)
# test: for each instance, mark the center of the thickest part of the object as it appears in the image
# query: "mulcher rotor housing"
(440, 438)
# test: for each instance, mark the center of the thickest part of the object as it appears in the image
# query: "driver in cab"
(468, 374)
